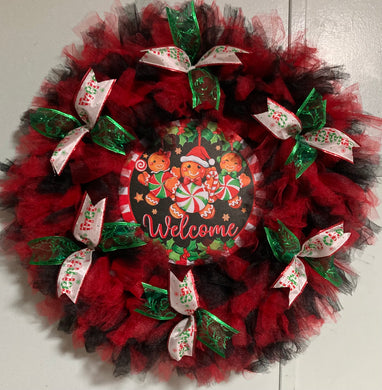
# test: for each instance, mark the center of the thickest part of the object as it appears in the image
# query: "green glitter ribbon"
(56, 124)
(110, 135)
(326, 268)
(285, 246)
(312, 114)
(51, 250)
(157, 304)
(119, 235)
(205, 88)
(53, 123)
(211, 330)
(184, 28)
(302, 156)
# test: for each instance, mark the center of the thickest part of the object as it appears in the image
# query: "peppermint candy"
(156, 184)
(191, 198)
(229, 187)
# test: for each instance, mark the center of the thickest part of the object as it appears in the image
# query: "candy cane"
(213, 174)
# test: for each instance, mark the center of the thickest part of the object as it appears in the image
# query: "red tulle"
(240, 290)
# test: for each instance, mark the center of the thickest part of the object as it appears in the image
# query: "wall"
(33, 355)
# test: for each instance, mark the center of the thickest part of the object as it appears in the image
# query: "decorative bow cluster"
(91, 231)
(316, 251)
(89, 102)
(184, 299)
(179, 58)
(310, 118)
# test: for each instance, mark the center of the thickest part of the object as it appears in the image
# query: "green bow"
(185, 33)
(233, 174)
(57, 124)
(211, 331)
(285, 246)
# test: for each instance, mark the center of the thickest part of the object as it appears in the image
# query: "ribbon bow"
(179, 58)
(90, 230)
(317, 251)
(224, 172)
(89, 102)
(184, 299)
(310, 117)
(195, 180)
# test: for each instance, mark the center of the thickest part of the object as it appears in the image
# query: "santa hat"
(199, 155)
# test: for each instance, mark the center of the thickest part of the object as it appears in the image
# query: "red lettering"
(173, 231)
(192, 236)
(230, 232)
(87, 225)
(185, 232)
(217, 230)
(182, 225)
(203, 230)
(85, 100)
(159, 229)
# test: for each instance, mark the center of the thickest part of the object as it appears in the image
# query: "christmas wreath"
(187, 194)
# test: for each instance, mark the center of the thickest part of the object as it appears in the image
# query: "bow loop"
(157, 304)
(284, 244)
(91, 98)
(183, 295)
(184, 28)
(312, 112)
(182, 339)
(89, 222)
(53, 123)
(213, 332)
(51, 250)
(72, 273)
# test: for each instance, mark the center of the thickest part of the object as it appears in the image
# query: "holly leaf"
(230, 243)
(169, 243)
(192, 246)
(207, 134)
(177, 249)
(193, 257)
(182, 139)
(237, 145)
(226, 146)
(215, 138)
(212, 126)
(216, 245)
(201, 247)
(173, 130)
(203, 255)
(174, 256)
(192, 136)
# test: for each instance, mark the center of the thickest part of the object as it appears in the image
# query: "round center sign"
(194, 191)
